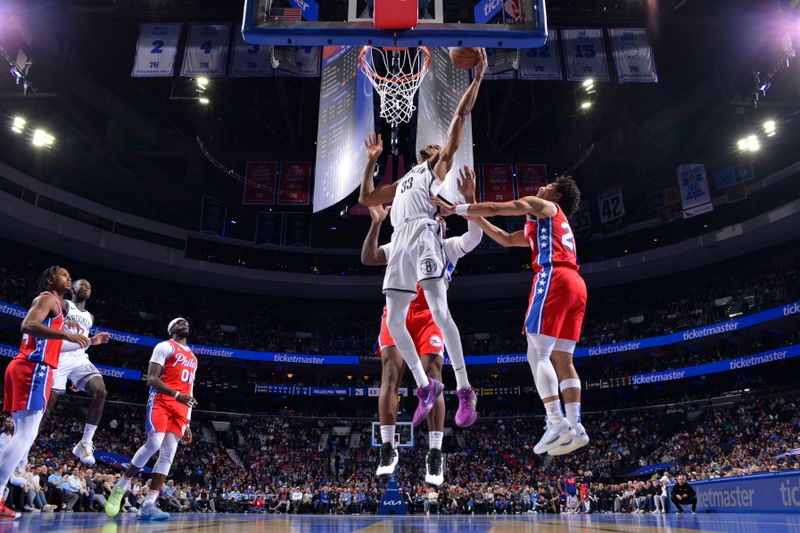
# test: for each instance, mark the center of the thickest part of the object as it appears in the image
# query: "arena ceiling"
(131, 143)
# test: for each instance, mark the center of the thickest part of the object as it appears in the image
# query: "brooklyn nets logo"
(428, 266)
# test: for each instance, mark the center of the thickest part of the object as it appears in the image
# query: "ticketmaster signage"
(767, 493)
(311, 359)
(718, 366)
(107, 371)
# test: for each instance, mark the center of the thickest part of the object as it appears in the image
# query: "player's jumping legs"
(559, 431)
(143, 454)
(397, 303)
(84, 449)
(434, 467)
(391, 377)
(436, 295)
(570, 385)
(26, 428)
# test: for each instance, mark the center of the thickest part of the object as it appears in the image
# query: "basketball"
(465, 58)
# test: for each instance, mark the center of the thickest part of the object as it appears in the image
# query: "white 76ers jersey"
(412, 198)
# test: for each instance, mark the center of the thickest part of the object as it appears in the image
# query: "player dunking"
(171, 377)
(557, 302)
(74, 365)
(417, 255)
(426, 336)
(29, 376)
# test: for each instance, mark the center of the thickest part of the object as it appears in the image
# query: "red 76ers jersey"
(552, 242)
(179, 366)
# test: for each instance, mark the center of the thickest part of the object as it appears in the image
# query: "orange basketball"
(465, 58)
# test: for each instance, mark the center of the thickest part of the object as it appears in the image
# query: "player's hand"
(187, 436)
(71, 324)
(79, 339)
(466, 184)
(374, 145)
(445, 209)
(483, 62)
(101, 338)
(378, 213)
(185, 399)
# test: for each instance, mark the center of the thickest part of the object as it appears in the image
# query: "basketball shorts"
(166, 416)
(26, 386)
(76, 368)
(417, 256)
(557, 304)
(427, 337)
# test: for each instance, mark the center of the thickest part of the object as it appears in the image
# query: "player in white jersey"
(417, 256)
(74, 365)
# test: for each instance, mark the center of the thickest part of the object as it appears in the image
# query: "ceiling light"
(202, 82)
(769, 128)
(586, 105)
(42, 138)
(18, 124)
(203, 100)
(752, 143)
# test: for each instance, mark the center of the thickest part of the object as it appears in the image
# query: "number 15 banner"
(585, 54)
(206, 50)
(156, 50)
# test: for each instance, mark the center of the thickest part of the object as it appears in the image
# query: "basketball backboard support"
(403, 435)
(471, 23)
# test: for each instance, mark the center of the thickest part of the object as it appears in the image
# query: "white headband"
(172, 323)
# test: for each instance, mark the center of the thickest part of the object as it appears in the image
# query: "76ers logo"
(428, 266)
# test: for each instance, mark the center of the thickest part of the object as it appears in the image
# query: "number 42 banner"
(610, 205)
(206, 50)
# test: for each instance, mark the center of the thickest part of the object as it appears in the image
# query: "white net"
(396, 74)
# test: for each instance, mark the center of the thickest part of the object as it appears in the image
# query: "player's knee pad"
(540, 347)
(166, 454)
(564, 345)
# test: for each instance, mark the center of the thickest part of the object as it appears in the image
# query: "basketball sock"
(26, 427)
(396, 313)
(387, 434)
(124, 482)
(435, 439)
(151, 497)
(88, 432)
(573, 412)
(436, 295)
(554, 413)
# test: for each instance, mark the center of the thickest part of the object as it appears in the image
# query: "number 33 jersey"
(178, 368)
(412, 198)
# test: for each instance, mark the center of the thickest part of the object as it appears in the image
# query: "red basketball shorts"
(26, 386)
(427, 337)
(557, 304)
(165, 415)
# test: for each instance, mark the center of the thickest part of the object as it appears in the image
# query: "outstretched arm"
(368, 195)
(530, 205)
(502, 237)
(371, 253)
(465, 105)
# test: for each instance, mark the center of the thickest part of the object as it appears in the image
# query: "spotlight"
(752, 143)
(742, 144)
(18, 124)
(587, 83)
(203, 100)
(42, 138)
(770, 128)
(586, 105)
(202, 83)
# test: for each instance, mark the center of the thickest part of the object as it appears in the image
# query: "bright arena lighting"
(42, 138)
(770, 128)
(203, 100)
(586, 105)
(588, 82)
(752, 143)
(202, 82)
(18, 125)
(742, 144)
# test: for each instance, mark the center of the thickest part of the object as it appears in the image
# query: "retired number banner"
(530, 178)
(250, 60)
(541, 63)
(295, 184)
(307, 62)
(497, 182)
(206, 51)
(259, 182)
(610, 205)
(156, 50)
(633, 55)
(695, 196)
(585, 54)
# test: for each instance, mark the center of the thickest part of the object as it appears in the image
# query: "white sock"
(387, 434)
(435, 440)
(396, 314)
(554, 413)
(152, 496)
(436, 295)
(88, 433)
(420, 377)
(124, 482)
(573, 412)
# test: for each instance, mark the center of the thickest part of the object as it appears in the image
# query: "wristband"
(462, 210)
(177, 393)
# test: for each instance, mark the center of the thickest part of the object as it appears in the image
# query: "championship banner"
(541, 63)
(294, 185)
(206, 50)
(345, 118)
(695, 196)
(437, 99)
(610, 205)
(307, 62)
(585, 54)
(633, 55)
(259, 182)
(212, 216)
(156, 50)
(497, 182)
(250, 60)
(530, 178)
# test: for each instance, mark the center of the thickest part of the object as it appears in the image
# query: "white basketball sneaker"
(388, 460)
(580, 440)
(85, 452)
(554, 436)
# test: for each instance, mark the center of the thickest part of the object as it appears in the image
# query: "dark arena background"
(198, 171)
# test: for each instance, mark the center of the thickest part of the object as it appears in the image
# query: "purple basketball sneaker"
(427, 399)
(466, 414)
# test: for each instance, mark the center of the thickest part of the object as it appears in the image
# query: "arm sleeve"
(458, 247)
(161, 353)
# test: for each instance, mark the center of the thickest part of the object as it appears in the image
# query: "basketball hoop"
(396, 75)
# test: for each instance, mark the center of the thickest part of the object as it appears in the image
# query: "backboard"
(403, 435)
(471, 23)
